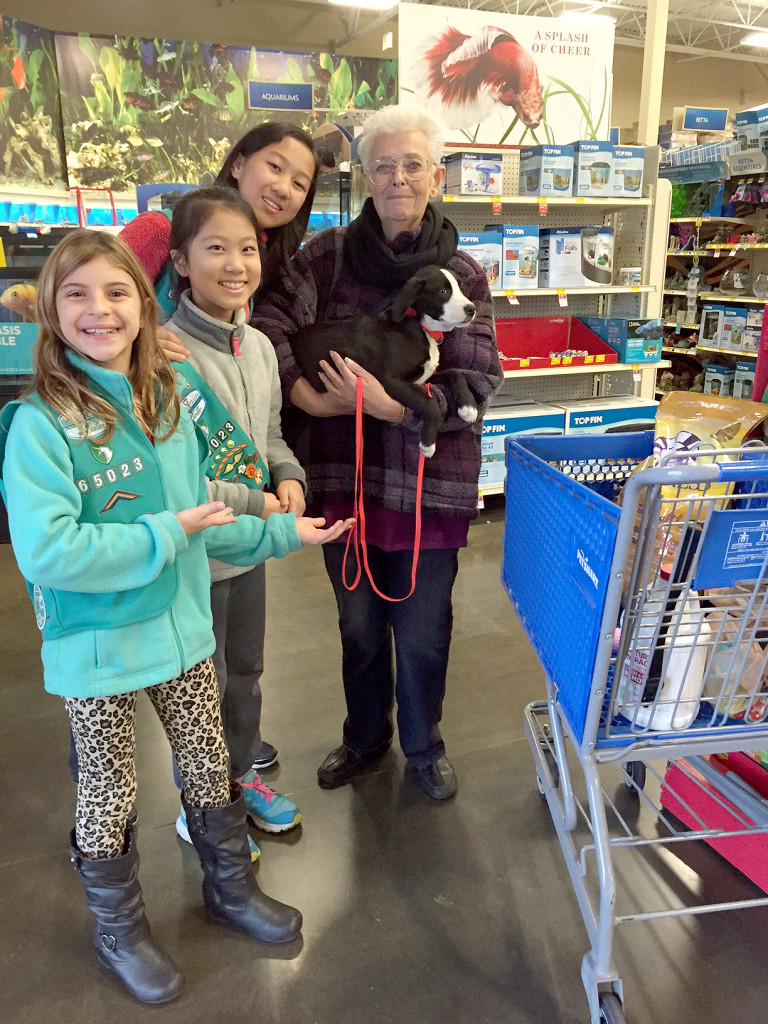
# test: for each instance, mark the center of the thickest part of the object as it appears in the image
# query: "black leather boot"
(230, 892)
(121, 934)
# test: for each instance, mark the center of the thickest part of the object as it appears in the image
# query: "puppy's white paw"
(427, 450)
(468, 413)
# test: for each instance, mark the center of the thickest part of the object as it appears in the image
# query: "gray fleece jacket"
(249, 386)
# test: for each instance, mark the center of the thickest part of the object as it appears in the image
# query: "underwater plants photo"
(30, 121)
(139, 111)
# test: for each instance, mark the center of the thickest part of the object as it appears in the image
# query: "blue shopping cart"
(650, 620)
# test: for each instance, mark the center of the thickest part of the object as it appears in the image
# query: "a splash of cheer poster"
(502, 78)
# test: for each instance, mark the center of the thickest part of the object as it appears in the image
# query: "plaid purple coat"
(320, 287)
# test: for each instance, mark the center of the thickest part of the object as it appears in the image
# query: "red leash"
(359, 512)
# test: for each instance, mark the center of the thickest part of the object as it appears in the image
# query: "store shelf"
(687, 252)
(704, 220)
(733, 246)
(721, 297)
(727, 351)
(683, 327)
(671, 291)
(492, 489)
(553, 201)
(598, 289)
(679, 351)
(561, 371)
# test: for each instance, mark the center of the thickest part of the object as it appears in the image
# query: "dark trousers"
(420, 630)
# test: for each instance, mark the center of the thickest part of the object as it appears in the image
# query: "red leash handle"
(357, 533)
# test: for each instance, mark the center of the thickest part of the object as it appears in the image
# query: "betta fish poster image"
(18, 330)
(502, 78)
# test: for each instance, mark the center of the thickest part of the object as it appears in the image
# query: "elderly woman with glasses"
(340, 274)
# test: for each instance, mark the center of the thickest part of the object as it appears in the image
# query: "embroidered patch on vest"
(102, 453)
(38, 602)
(92, 427)
(119, 496)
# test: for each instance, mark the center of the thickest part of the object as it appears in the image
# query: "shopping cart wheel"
(636, 772)
(611, 1010)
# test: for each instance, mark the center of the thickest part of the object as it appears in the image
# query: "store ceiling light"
(756, 39)
(366, 5)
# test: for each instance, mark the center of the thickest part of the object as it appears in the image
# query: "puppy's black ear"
(404, 299)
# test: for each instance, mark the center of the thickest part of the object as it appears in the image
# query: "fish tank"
(339, 197)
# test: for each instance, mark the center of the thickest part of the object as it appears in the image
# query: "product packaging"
(520, 257)
(632, 277)
(593, 168)
(711, 325)
(546, 171)
(628, 166)
(747, 130)
(576, 257)
(608, 415)
(744, 379)
(660, 689)
(634, 341)
(485, 248)
(687, 423)
(471, 174)
(733, 327)
(718, 380)
(501, 421)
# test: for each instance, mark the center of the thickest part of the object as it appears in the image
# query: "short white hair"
(401, 118)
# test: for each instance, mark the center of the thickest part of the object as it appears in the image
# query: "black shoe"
(266, 759)
(437, 779)
(342, 765)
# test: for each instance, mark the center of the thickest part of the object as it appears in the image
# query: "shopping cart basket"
(650, 620)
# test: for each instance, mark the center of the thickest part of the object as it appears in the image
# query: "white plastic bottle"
(680, 689)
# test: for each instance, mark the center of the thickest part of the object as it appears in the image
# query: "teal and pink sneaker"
(183, 833)
(267, 809)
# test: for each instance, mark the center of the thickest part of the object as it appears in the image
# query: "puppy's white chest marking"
(433, 359)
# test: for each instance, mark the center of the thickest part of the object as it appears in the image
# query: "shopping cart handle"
(748, 470)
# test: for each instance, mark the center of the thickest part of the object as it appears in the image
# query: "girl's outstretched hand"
(310, 531)
(212, 513)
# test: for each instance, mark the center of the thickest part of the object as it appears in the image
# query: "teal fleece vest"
(118, 481)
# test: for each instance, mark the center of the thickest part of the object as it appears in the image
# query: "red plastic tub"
(526, 342)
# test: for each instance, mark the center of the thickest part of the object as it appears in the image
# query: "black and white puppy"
(399, 346)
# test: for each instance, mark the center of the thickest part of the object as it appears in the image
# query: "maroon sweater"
(321, 287)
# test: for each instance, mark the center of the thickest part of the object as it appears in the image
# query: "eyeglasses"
(382, 171)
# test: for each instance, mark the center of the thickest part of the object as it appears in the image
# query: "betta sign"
(495, 78)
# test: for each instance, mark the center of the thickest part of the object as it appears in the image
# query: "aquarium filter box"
(593, 168)
(575, 257)
(485, 248)
(472, 174)
(711, 324)
(546, 171)
(718, 380)
(520, 255)
(608, 415)
(628, 165)
(748, 129)
(743, 380)
(533, 342)
(733, 327)
(501, 421)
(633, 341)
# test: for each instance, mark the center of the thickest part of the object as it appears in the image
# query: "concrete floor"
(415, 912)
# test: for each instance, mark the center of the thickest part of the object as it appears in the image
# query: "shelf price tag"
(562, 298)
(543, 205)
(447, 198)
(512, 298)
(496, 204)
(636, 374)
(717, 253)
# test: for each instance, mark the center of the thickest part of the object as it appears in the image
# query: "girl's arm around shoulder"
(52, 547)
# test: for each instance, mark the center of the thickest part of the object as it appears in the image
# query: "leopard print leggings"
(104, 729)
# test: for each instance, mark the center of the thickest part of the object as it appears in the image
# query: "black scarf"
(372, 261)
